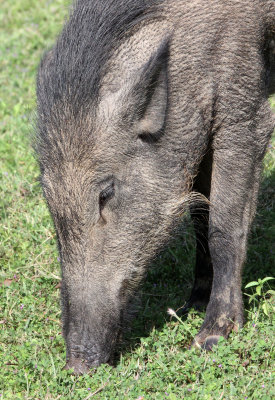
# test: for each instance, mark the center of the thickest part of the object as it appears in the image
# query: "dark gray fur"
(144, 107)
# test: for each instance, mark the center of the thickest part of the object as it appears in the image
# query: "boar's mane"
(70, 73)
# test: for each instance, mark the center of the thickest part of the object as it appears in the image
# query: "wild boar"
(142, 104)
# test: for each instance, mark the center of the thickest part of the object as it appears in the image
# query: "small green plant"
(260, 297)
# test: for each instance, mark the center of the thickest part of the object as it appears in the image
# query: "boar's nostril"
(78, 365)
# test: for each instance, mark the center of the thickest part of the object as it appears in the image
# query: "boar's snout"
(78, 365)
(82, 363)
(89, 345)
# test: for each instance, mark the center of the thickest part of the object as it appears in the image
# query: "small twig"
(9, 363)
(96, 392)
(221, 396)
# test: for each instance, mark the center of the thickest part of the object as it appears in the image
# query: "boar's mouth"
(82, 358)
(82, 363)
(78, 365)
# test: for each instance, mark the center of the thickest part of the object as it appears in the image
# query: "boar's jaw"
(83, 357)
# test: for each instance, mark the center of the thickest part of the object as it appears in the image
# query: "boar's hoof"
(78, 365)
(217, 325)
(207, 344)
(210, 341)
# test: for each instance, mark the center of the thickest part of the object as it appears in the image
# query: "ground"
(156, 362)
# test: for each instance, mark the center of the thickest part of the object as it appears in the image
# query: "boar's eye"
(106, 195)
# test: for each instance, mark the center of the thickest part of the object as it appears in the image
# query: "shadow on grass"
(169, 280)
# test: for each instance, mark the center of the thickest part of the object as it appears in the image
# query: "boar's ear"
(150, 93)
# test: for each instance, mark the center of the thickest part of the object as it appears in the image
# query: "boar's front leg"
(234, 186)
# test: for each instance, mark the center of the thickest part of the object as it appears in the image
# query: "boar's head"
(110, 182)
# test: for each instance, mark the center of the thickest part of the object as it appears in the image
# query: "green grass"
(155, 362)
